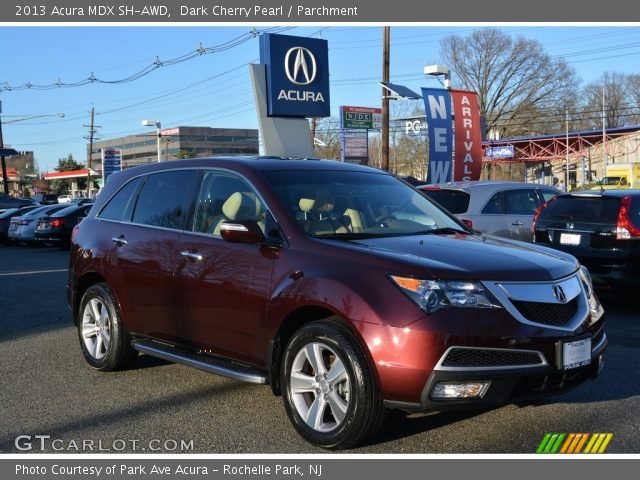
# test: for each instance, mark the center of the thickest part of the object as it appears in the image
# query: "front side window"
(521, 202)
(225, 197)
(165, 199)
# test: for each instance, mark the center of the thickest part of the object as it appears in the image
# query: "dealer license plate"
(570, 239)
(576, 354)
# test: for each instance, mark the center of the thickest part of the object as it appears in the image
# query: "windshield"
(347, 205)
(611, 181)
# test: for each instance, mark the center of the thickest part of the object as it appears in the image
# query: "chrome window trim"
(439, 366)
(189, 228)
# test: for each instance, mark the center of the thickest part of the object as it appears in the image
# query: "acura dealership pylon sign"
(297, 75)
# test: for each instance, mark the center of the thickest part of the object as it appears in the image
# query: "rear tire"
(105, 342)
(328, 387)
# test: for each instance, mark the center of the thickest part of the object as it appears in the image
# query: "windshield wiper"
(442, 231)
(350, 236)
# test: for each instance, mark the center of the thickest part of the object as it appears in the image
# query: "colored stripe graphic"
(568, 443)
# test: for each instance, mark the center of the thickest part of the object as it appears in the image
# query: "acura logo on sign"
(304, 66)
(558, 292)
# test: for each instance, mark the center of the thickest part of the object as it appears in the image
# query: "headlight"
(586, 280)
(433, 295)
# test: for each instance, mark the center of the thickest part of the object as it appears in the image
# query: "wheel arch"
(82, 284)
(296, 320)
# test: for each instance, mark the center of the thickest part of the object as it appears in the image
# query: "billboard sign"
(437, 102)
(467, 158)
(355, 146)
(297, 71)
(361, 117)
(504, 151)
(111, 163)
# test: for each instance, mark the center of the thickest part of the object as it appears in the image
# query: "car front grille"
(558, 314)
(479, 358)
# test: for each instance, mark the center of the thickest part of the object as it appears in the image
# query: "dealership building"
(178, 142)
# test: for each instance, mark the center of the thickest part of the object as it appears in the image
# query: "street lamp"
(154, 123)
(436, 71)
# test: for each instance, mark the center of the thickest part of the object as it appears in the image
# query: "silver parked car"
(504, 209)
(22, 229)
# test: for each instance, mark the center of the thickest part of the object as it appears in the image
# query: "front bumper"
(507, 383)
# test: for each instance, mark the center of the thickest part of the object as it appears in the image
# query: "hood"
(477, 257)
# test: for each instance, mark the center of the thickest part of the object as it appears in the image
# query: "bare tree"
(328, 138)
(519, 85)
(620, 100)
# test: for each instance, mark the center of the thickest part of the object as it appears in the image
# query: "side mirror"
(241, 231)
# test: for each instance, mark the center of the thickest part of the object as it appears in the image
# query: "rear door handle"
(517, 224)
(191, 255)
(119, 240)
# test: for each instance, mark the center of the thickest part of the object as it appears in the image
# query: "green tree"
(182, 154)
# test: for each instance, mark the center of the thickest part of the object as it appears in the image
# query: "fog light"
(445, 390)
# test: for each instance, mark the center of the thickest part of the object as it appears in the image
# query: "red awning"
(82, 173)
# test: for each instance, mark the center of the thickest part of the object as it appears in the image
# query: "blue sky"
(214, 89)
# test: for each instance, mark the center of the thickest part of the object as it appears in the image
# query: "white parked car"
(64, 198)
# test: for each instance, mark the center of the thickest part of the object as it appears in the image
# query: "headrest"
(242, 206)
(306, 204)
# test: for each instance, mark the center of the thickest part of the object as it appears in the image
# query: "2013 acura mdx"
(340, 286)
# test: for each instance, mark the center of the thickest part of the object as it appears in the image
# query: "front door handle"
(191, 255)
(119, 240)
(517, 224)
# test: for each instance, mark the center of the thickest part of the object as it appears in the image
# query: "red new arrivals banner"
(467, 157)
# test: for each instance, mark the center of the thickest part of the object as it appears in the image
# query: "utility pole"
(566, 175)
(604, 135)
(5, 179)
(92, 132)
(385, 99)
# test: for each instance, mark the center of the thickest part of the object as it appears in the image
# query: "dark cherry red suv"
(342, 287)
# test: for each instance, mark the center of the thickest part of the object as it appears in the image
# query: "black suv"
(46, 199)
(601, 229)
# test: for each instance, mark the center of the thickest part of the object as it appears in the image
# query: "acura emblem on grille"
(570, 226)
(558, 292)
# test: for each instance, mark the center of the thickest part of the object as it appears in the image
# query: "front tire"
(329, 390)
(105, 343)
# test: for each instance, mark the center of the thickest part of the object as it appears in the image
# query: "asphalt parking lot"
(46, 388)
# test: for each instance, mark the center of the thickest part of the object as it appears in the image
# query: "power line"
(198, 52)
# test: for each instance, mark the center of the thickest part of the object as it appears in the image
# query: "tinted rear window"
(117, 206)
(456, 201)
(583, 209)
(166, 198)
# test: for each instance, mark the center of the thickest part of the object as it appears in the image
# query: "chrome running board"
(216, 365)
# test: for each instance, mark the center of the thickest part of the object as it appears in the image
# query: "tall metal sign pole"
(385, 100)
(5, 180)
